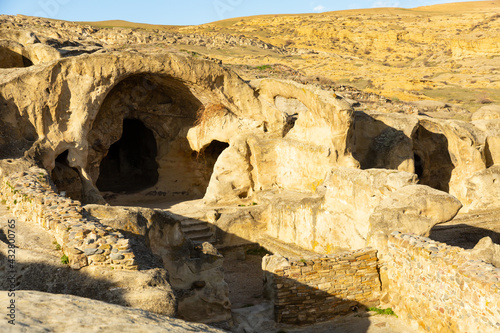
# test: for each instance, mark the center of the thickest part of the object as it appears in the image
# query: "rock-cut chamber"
(130, 165)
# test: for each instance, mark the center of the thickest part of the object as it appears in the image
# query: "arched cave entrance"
(433, 163)
(66, 178)
(138, 142)
(130, 165)
(211, 153)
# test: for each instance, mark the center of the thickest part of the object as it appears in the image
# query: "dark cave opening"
(433, 163)
(419, 165)
(211, 153)
(130, 165)
(66, 178)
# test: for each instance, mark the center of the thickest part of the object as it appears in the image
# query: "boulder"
(487, 251)
(487, 112)
(483, 189)
(336, 216)
(410, 209)
(231, 179)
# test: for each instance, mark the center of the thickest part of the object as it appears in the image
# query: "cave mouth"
(66, 178)
(130, 165)
(211, 153)
(419, 165)
(433, 163)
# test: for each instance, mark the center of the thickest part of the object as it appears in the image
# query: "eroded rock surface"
(67, 313)
(487, 251)
(411, 209)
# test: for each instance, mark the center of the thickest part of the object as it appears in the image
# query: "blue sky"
(186, 12)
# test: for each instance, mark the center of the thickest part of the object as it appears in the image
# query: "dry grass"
(209, 111)
(484, 99)
(204, 115)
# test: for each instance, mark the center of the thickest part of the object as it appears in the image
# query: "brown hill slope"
(448, 52)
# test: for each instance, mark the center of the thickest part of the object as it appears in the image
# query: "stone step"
(202, 237)
(287, 250)
(197, 227)
(192, 222)
(198, 231)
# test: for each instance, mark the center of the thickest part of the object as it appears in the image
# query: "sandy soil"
(244, 277)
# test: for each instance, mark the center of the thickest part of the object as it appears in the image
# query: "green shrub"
(263, 67)
(387, 311)
(64, 259)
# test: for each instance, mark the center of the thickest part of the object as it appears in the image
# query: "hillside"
(446, 52)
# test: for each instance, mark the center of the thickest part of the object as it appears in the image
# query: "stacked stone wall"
(319, 288)
(84, 241)
(438, 288)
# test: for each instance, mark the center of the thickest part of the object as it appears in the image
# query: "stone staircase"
(287, 250)
(198, 231)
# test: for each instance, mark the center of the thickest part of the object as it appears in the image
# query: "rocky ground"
(58, 315)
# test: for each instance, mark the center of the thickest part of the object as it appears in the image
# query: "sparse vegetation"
(209, 111)
(263, 67)
(387, 311)
(64, 259)
(252, 204)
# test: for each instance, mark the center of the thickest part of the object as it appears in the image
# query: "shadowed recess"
(130, 165)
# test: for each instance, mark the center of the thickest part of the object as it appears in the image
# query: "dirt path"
(243, 274)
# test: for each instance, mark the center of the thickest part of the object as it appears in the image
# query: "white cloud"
(386, 3)
(319, 8)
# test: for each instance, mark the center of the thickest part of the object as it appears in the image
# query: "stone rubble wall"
(437, 288)
(319, 288)
(84, 241)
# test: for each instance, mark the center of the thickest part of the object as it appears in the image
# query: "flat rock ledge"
(67, 313)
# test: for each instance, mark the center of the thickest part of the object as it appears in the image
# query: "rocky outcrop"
(259, 160)
(491, 130)
(483, 189)
(414, 208)
(63, 313)
(336, 216)
(39, 267)
(486, 251)
(275, 161)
